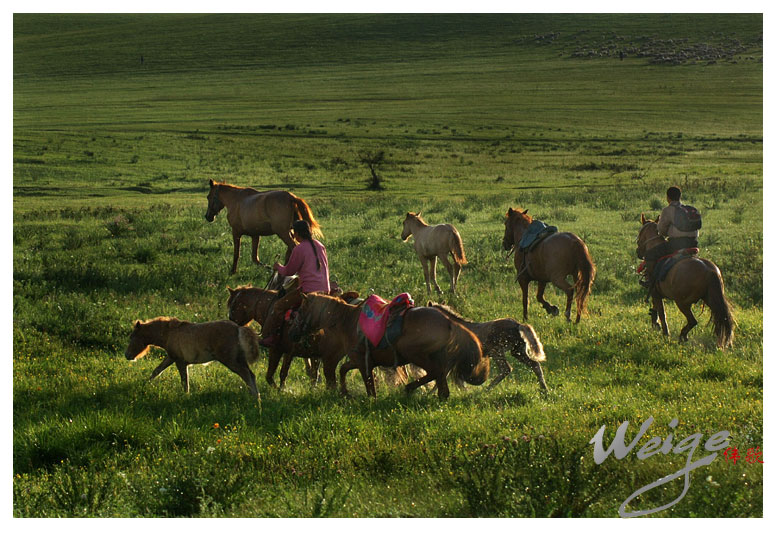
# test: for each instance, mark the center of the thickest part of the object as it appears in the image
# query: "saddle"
(381, 321)
(666, 263)
(534, 235)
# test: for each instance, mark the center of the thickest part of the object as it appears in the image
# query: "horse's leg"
(535, 366)
(432, 274)
(450, 270)
(686, 309)
(286, 237)
(426, 271)
(255, 248)
(504, 369)
(284, 370)
(184, 374)
(236, 250)
(312, 370)
(328, 367)
(274, 355)
(167, 362)
(523, 284)
(346, 366)
(548, 307)
(657, 300)
(443, 386)
(411, 386)
(241, 368)
(562, 284)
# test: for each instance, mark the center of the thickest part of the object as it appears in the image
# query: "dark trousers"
(666, 248)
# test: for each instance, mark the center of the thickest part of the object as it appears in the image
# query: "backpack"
(687, 218)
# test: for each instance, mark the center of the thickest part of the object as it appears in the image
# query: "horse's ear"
(643, 219)
(525, 212)
(230, 290)
(510, 211)
(137, 324)
(211, 182)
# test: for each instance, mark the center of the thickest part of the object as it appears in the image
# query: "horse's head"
(215, 205)
(515, 221)
(238, 309)
(139, 344)
(409, 224)
(646, 235)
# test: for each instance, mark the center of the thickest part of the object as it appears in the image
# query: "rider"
(309, 261)
(677, 239)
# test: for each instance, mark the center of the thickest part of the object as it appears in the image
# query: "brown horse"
(556, 257)
(256, 214)
(433, 242)
(429, 339)
(246, 304)
(188, 343)
(504, 335)
(690, 280)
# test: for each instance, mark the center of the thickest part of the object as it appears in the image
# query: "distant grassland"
(111, 160)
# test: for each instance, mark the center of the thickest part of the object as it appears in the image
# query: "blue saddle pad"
(664, 266)
(537, 231)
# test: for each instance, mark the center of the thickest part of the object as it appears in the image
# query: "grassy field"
(119, 122)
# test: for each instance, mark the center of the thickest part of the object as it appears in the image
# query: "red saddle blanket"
(376, 313)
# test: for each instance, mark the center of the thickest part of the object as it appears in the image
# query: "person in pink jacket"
(309, 262)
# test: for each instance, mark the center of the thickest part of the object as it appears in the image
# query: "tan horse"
(432, 243)
(246, 304)
(690, 280)
(429, 339)
(256, 214)
(188, 343)
(504, 335)
(556, 257)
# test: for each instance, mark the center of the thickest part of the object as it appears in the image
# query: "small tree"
(373, 159)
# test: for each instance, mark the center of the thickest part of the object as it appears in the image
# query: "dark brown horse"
(246, 304)
(504, 335)
(429, 339)
(256, 214)
(556, 257)
(690, 280)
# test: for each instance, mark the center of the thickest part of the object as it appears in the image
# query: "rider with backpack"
(679, 224)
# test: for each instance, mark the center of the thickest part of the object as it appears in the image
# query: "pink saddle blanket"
(376, 312)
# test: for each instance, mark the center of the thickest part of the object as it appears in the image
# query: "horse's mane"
(170, 321)
(450, 312)
(325, 306)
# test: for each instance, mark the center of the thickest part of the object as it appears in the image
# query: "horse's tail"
(456, 247)
(533, 346)
(721, 311)
(249, 344)
(586, 276)
(463, 354)
(302, 211)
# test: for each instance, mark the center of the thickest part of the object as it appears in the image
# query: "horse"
(429, 339)
(432, 243)
(500, 336)
(690, 280)
(556, 257)
(246, 304)
(256, 214)
(188, 343)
